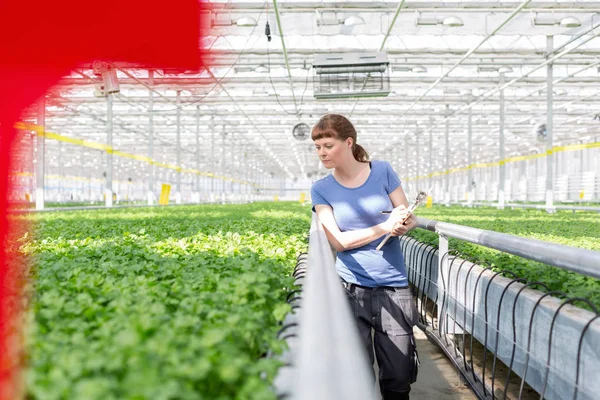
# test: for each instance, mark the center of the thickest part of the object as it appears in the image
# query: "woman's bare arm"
(353, 239)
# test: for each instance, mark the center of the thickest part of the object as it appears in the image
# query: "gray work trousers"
(392, 314)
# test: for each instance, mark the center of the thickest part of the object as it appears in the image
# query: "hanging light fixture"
(452, 21)
(570, 22)
(419, 69)
(354, 20)
(566, 22)
(246, 21)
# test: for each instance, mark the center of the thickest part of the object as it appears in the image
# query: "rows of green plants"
(23, 205)
(161, 303)
(579, 229)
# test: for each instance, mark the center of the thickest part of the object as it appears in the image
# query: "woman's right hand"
(397, 216)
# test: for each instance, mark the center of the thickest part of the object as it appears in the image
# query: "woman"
(349, 202)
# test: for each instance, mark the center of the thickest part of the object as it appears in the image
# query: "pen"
(386, 212)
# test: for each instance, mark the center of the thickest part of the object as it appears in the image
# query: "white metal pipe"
(387, 34)
(569, 258)
(425, 7)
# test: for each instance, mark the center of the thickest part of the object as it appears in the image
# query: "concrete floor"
(438, 379)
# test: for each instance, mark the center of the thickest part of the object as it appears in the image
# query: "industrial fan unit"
(540, 132)
(301, 131)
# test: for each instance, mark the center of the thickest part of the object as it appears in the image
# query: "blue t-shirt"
(359, 208)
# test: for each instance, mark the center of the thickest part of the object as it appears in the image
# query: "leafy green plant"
(184, 302)
(160, 303)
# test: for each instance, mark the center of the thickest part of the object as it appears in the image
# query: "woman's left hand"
(409, 224)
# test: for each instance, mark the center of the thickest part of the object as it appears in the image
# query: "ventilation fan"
(301, 131)
(540, 132)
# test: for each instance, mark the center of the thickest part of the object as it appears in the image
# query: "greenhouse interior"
(176, 248)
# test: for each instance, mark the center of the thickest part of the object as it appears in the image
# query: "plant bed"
(160, 303)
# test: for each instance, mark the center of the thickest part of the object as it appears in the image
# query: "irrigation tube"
(582, 261)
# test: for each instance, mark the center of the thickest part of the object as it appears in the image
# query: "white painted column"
(108, 190)
(471, 189)
(151, 168)
(501, 167)
(418, 184)
(447, 159)
(549, 128)
(198, 154)
(212, 154)
(40, 170)
(223, 165)
(430, 156)
(178, 150)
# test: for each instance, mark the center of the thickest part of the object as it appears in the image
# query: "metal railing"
(325, 360)
(483, 320)
(526, 205)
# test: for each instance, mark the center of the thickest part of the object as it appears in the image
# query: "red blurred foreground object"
(40, 41)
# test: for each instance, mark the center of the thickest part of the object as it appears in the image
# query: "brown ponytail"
(359, 153)
(339, 127)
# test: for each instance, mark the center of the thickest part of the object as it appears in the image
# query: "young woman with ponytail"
(349, 202)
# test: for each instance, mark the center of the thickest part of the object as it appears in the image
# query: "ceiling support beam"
(387, 34)
(464, 57)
